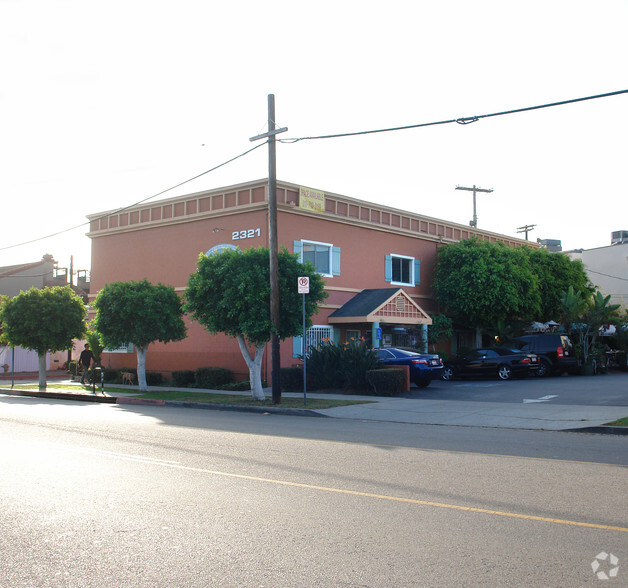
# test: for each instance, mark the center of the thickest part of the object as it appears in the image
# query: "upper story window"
(323, 256)
(402, 270)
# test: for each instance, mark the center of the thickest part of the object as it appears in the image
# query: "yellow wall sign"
(311, 199)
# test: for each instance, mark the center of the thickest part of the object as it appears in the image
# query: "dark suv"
(554, 350)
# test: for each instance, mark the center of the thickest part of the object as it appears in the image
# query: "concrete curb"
(87, 397)
(601, 430)
(61, 395)
(306, 412)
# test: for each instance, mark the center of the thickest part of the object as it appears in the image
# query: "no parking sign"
(303, 285)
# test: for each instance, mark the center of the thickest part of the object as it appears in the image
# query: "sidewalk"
(542, 416)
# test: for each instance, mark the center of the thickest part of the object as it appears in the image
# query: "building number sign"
(246, 234)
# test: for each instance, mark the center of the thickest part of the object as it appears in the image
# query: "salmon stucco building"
(377, 262)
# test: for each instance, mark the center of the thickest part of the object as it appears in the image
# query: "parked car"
(502, 362)
(555, 352)
(423, 367)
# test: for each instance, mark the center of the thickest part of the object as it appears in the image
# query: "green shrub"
(154, 378)
(386, 382)
(236, 386)
(356, 360)
(340, 366)
(72, 367)
(291, 379)
(212, 377)
(183, 378)
(112, 376)
(323, 366)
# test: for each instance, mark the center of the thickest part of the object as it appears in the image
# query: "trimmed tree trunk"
(141, 367)
(254, 364)
(42, 370)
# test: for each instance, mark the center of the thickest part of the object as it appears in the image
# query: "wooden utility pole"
(474, 222)
(273, 246)
(525, 229)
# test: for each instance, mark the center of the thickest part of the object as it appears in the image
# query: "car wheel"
(504, 372)
(422, 383)
(544, 369)
(448, 373)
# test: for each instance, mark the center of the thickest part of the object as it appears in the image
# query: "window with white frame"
(323, 256)
(403, 270)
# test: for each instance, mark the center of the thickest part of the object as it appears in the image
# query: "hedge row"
(212, 378)
(382, 382)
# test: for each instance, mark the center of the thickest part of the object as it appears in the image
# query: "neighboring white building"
(607, 268)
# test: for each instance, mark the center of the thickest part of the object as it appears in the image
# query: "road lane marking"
(179, 466)
(542, 399)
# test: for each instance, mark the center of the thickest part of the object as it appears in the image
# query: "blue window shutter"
(335, 261)
(417, 272)
(336, 334)
(298, 249)
(388, 269)
(297, 346)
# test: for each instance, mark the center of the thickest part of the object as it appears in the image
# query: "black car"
(555, 352)
(502, 362)
(424, 367)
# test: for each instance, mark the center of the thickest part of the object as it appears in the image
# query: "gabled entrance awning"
(382, 305)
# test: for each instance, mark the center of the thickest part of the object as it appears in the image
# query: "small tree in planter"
(441, 329)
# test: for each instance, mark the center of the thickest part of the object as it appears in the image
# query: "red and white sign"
(303, 285)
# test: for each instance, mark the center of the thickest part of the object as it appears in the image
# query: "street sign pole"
(303, 287)
(304, 358)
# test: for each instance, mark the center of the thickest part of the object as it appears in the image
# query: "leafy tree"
(479, 283)
(3, 339)
(96, 346)
(230, 293)
(43, 320)
(556, 272)
(572, 307)
(139, 313)
(598, 311)
(441, 329)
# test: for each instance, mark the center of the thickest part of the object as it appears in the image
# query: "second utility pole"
(474, 222)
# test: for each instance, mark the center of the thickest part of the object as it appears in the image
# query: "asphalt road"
(103, 495)
(602, 390)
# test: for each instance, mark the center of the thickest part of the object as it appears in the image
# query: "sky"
(104, 104)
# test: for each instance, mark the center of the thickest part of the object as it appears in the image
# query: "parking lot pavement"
(602, 390)
(544, 416)
(558, 403)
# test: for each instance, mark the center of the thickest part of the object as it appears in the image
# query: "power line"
(118, 210)
(462, 121)
(607, 275)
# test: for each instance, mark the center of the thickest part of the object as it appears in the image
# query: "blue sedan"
(423, 367)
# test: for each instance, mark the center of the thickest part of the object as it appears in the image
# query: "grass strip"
(204, 397)
(619, 423)
(247, 400)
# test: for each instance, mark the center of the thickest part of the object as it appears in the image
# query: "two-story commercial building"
(377, 262)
